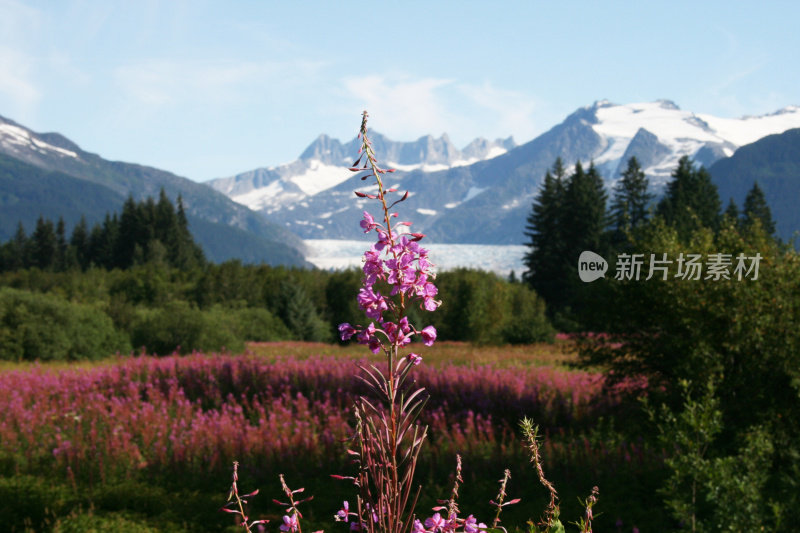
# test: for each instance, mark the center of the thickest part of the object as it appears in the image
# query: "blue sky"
(210, 89)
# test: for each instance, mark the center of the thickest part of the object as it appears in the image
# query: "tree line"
(145, 231)
(572, 213)
(718, 354)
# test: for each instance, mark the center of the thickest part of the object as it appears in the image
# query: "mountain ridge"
(487, 201)
(60, 161)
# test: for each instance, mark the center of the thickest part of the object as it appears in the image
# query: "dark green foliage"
(32, 502)
(691, 200)
(756, 209)
(709, 489)
(631, 198)
(300, 315)
(144, 232)
(47, 327)
(739, 334)
(527, 322)
(180, 327)
(568, 217)
(731, 214)
(480, 307)
(545, 258)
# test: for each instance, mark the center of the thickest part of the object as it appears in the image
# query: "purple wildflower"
(428, 335)
(368, 223)
(435, 523)
(346, 331)
(414, 358)
(471, 525)
(289, 523)
(418, 527)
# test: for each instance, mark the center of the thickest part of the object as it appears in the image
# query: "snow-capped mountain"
(454, 200)
(323, 165)
(47, 174)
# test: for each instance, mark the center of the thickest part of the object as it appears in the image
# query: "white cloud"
(18, 22)
(402, 106)
(162, 82)
(16, 81)
(512, 112)
(405, 108)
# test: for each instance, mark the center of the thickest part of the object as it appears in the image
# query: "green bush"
(480, 307)
(89, 522)
(31, 502)
(526, 321)
(48, 327)
(253, 324)
(181, 327)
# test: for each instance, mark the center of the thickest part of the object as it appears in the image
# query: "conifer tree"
(129, 234)
(731, 213)
(691, 200)
(544, 258)
(584, 213)
(756, 208)
(44, 244)
(631, 198)
(79, 244)
(60, 257)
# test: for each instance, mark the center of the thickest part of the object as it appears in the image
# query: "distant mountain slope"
(774, 162)
(323, 165)
(488, 201)
(50, 175)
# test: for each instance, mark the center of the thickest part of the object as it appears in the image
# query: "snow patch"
(14, 135)
(429, 212)
(472, 193)
(319, 177)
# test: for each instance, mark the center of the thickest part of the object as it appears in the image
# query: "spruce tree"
(631, 198)
(44, 244)
(59, 261)
(79, 244)
(544, 258)
(756, 208)
(731, 213)
(129, 234)
(691, 200)
(584, 213)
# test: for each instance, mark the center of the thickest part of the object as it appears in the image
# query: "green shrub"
(89, 522)
(526, 321)
(31, 502)
(48, 327)
(259, 325)
(181, 327)
(480, 307)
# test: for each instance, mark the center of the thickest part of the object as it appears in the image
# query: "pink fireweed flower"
(435, 523)
(418, 527)
(289, 523)
(428, 335)
(414, 358)
(471, 525)
(346, 331)
(372, 303)
(396, 334)
(373, 266)
(343, 513)
(368, 223)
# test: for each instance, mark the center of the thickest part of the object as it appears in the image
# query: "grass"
(559, 355)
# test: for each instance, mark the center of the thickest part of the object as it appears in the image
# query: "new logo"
(591, 266)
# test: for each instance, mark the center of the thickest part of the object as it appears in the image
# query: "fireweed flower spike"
(388, 438)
